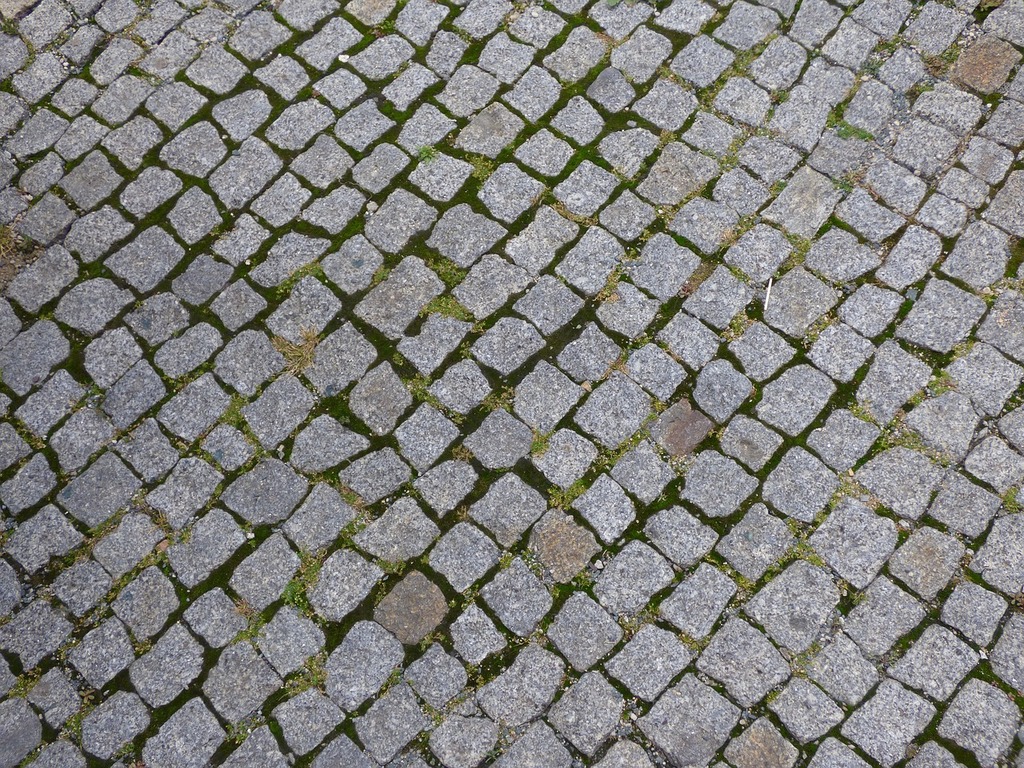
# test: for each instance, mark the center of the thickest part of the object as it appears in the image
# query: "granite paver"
(565, 383)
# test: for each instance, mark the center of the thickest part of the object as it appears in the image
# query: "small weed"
(392, 567)
(482, 167)
(938, 66)
(804, 551)
(539, 446)
(1011, 503)
(862, 411)
(462, 453)
(312, 675)
(240, 731)
(448, 306)
(801, 661)
(427, 154)
(500, 399)
(450, 273)
(846, 131)
(942, 384)
(298, 357)
(563, 498)
(15, 253)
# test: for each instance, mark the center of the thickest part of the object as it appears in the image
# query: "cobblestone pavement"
(536, 385)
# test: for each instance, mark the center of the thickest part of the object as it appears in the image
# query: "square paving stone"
(162, 673)
(490, 284)
(247, 171)
(393, 304)
(463, 556)
(424, 436)
(525, 689)
(259, 749)
(607, 508)
(436, 676)
(96, 494)
(981, 719)
(708, 475)
(702, 61)
(146, 603)
(794, 400)
(55, 696)
(935, 663)
(614, 411)
(507, 345)
(690, 722)
(802, 590)
(588, 712)
(698, 601)
(840, 352)
(35, 633)
(535, 247)
(187, 489)
(800, 486)
(642, 472)
(563, 547)
(986, 377)
(630, 579)
(806, 711)
(894, 377)
(926, 561)
(307, 719)
(123, 548)
(319, 519)
(761, 669)
(888, 722)
(189, 737)
(838, 257)
(248, 494)
(902, 479)
(379, 399)
(855, 542)
(974, 611)
(649, 661)
(583, 632)
(567, 458)
(549, 305)
(103, 653)
(278, 411)
(113, 723)
(756, 542)
(215, 618)
(750, 442)
(544, 396)
(655, 370)
(240, 682)
(261, 578)
(887, 615)
(401, 533)
(361, 664)
(464, 236)
(45, 535)
(841, 669)
(412, 609)
(508, 508)
(590, 356)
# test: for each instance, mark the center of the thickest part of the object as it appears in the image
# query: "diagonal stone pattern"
(553, 383)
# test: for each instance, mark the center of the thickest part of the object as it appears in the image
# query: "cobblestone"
(536, 335)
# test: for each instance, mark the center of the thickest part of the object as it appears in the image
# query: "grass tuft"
(298, 357)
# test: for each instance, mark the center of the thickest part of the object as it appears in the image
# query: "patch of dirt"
(15, 253)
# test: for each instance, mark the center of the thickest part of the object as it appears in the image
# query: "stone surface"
(608, 339)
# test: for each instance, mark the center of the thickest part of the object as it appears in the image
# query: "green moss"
(448, 306)
(846, 131)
